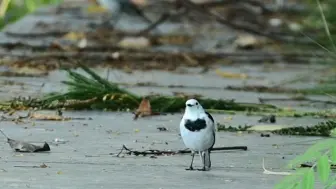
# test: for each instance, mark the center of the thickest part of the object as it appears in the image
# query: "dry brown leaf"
(43, 165)
(144, 109)
(231, 75)
(45, 117)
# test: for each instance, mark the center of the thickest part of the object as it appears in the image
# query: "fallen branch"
(171, 152)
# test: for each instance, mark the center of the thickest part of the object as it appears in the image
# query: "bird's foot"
(190, 169)
(203, 169)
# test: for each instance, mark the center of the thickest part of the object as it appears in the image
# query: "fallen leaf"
(134, 43)
(144, 109)
(266, 127)
(45, 117)
(20, 146)
(43, 166)
(230, 75)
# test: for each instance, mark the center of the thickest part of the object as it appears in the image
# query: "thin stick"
(3, 133)
(171, 152)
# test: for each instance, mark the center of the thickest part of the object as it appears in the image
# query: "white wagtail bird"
(198, 132)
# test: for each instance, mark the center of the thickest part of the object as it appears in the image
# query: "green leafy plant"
(13, 10)
(322, 155)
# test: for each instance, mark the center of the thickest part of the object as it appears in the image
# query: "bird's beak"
(189, 105)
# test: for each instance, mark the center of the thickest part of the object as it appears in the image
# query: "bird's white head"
(193, 107)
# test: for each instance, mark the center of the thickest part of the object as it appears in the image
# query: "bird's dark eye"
(196, 103)
(189, 105)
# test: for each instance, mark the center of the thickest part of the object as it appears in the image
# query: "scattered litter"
(265, 135)
(170, 152)
(60, 141)
(20, 146)
(230, 75)
(33, 166)
(162, 128)
(144, 109)
(268, 118)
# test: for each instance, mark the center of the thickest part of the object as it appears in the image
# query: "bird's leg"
(202, 154)
(192, 160)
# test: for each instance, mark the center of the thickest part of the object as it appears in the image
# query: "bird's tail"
(207, 161)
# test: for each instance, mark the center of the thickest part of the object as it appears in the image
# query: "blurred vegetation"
(12, 10)
(314, 21)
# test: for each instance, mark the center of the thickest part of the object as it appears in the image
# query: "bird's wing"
(212, 121)
(214, 128)
(210, 117)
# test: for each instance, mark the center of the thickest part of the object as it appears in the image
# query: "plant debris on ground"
(20, 146)
(171, 152)
(97, 93)
(324, 129)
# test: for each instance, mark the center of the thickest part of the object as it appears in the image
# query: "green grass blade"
(308, 180)
(306, 157)
(80, 78)
(333, 155)
(323, 168)
(292, 181)
(83, 87)
(108, 85)
(322, 145)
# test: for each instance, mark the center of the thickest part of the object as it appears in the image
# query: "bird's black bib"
(195, 126)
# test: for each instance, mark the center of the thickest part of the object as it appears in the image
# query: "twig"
(3, 133)
(171, 152)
